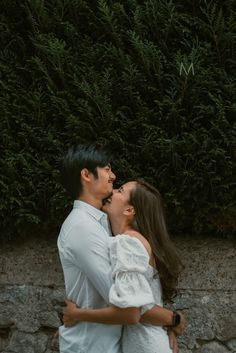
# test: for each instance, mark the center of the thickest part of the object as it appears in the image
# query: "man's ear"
(85, 174)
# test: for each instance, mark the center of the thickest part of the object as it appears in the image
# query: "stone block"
(28, 343)
(213, 347)
(231, 344)
(209, 263)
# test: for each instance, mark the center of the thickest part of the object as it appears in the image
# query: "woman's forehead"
(128, 186)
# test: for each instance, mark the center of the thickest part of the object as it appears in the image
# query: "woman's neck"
(120, 226)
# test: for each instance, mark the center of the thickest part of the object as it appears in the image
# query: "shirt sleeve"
(87, 247)
(130, 260)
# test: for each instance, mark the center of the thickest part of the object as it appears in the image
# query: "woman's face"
(119, 200)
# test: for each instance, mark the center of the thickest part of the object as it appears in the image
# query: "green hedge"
(153, 80)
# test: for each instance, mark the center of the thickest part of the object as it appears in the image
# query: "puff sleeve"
(129, 261)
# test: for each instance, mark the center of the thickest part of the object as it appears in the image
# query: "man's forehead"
(108, 165)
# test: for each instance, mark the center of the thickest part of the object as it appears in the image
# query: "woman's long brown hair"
(150, 221)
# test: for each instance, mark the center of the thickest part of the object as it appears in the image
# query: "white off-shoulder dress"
(135, 286)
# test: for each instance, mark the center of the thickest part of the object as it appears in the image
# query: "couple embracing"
(115, 285)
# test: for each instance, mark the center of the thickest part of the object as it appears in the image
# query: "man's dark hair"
(77, 158)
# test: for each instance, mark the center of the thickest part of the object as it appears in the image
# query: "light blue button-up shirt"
(83, 245)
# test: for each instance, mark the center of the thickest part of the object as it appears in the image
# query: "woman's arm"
(117, 316)
(157, 316)
(111, 315)
(163, 317)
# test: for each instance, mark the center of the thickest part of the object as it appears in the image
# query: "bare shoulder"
(144, 241)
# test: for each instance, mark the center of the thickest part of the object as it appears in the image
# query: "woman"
(145, 267)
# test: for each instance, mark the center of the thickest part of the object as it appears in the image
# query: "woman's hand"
(70, 314)
(179, 330)
(173, 341)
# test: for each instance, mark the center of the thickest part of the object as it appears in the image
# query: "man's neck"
(91, 201)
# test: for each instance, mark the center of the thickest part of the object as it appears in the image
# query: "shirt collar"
(93, 211)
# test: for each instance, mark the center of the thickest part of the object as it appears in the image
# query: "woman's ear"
(85, 174)
(129, 211)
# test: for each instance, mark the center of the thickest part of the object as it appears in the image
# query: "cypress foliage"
(153, 80)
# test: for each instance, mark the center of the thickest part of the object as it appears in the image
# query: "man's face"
(102, 186)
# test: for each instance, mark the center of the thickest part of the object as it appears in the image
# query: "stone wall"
(32, 293)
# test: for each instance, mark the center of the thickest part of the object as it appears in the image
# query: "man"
(83, 248)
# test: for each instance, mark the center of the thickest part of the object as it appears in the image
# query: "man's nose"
(112, 176)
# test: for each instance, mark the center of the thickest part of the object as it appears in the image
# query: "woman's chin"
(106, 206)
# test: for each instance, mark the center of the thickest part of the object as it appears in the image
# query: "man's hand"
(172, 341)
(69, 318)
